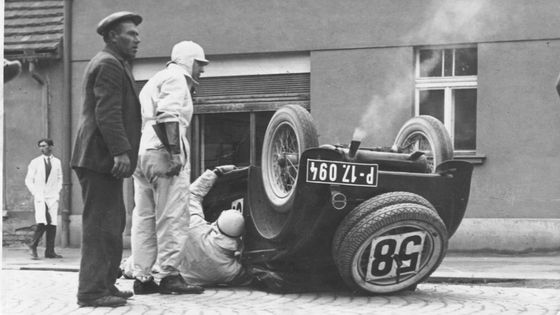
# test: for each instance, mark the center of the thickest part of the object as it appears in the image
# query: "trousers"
(160, 218)
(103, 222)
(51, 233)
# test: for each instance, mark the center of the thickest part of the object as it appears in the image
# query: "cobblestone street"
(53, 292)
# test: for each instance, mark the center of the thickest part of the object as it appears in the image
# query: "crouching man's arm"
(201, 186)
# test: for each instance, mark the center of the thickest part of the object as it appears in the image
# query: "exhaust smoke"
(460, 21)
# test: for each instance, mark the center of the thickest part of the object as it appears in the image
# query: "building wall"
(518, 130)
(25, 122)
(249, 26)
(361, 57)
(22, 96)
(371, 88)
(25, 125)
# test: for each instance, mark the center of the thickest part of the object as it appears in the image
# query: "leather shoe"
(53, 255)
(33, 253)
(148, 287)
(104, 301)
(123, 294)
(175, 284)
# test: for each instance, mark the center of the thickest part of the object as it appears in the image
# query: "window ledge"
(474, 158)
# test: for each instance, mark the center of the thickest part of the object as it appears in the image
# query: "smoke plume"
(457, 21)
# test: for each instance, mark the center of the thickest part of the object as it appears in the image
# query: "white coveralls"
(161, 216)
(44, 193)
(210, 255)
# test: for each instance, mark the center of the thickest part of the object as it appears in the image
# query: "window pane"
(448, 60)
(226, 139)
(431, 103)
(262, 119)
(430, 63)
(465, 119)
(466, 61)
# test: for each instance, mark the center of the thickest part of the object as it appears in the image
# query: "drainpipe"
(45, 102)
(67, 126)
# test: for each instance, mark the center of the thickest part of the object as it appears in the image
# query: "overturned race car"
(375, 219)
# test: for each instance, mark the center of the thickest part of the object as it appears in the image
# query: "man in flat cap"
(105, 152)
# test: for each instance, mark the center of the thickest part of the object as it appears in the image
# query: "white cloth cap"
(185, 53)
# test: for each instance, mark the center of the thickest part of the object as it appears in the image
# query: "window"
(230, 138)
(231, 115)
(446, 88)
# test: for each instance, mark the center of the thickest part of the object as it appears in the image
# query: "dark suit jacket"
(110, 122)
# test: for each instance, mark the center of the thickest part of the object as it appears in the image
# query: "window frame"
(242, 102)
(448, 84)
(197, 134)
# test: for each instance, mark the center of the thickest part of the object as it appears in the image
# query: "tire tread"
(362, 231)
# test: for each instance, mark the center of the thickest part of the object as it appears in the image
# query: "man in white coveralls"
(162, 177)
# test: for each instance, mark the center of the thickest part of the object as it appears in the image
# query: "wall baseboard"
(507, 235)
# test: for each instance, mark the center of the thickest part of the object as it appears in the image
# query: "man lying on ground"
(213, 250)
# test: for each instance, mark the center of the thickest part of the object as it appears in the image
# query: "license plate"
(342, 173)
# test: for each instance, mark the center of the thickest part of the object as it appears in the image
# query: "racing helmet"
(185, 53)
(231, 223)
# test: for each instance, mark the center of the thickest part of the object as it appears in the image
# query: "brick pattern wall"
(17, 238)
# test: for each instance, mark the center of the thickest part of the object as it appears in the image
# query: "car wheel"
(392, 249)
(427, 134)
(290, 131)
(371, 205)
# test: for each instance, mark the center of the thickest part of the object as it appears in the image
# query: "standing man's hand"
(121, 166)
(175, 165)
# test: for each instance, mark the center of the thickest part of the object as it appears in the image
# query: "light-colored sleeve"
(199, 188)
(59, 177)
(30, 178)
(171, 98)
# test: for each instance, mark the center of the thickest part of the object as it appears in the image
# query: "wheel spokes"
(418, 142)
(285, 166)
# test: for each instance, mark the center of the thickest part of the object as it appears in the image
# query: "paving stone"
(54, 292)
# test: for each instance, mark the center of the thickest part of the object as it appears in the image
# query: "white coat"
(45, 193)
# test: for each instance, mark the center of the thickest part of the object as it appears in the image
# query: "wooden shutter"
(251, 93)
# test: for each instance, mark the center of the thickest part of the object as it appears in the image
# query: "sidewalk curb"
(483, 280)
(448, 279)
(64, 269)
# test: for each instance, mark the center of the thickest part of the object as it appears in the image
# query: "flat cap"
(116, 17)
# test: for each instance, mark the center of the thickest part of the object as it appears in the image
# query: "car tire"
(411, 234)
(371, 205)
(290, 131)
(422, 131)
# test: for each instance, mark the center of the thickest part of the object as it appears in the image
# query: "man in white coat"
(44, 181)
